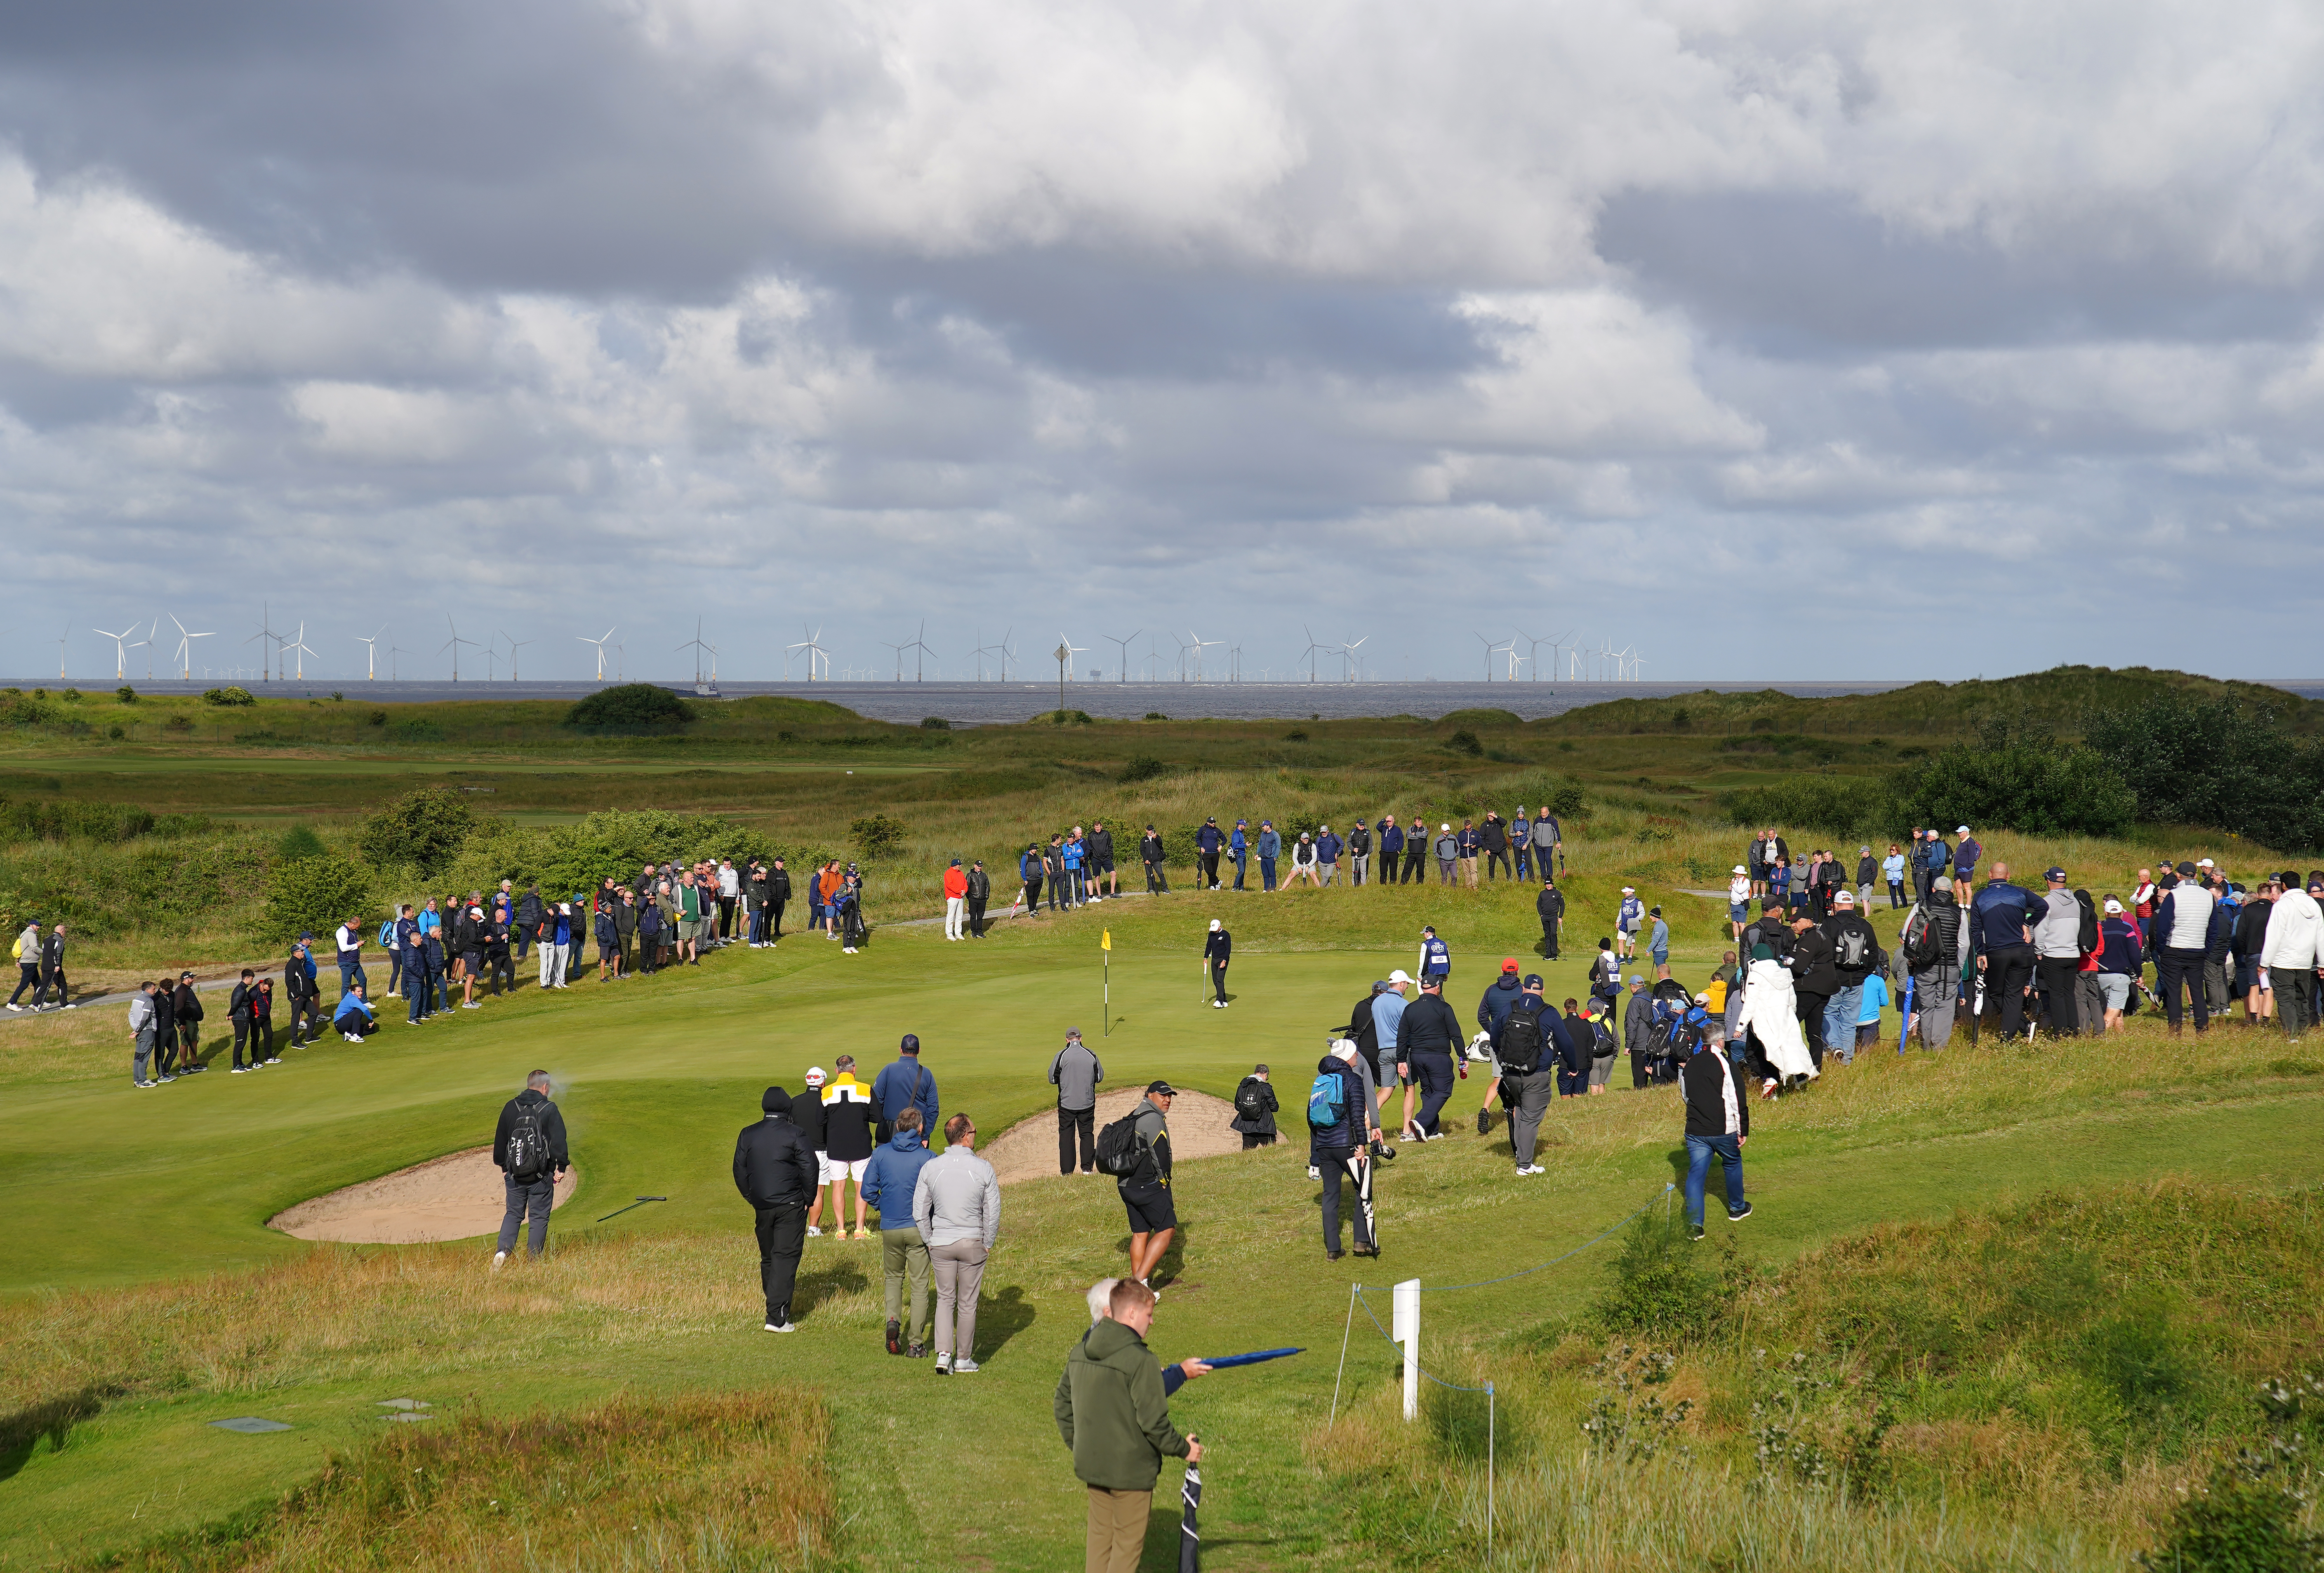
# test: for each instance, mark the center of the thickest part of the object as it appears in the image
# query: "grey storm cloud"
(1742, 334)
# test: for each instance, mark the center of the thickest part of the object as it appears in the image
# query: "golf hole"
(457, 1197)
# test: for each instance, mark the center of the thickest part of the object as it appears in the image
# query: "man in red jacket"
(955, 886)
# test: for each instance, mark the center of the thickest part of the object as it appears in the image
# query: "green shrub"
(1063, 717)
(1464, 741)
(298, 843)
(1144, 768)
(1298, 735)
(630, 707)
(2217, 763)
(2039, 789)
(126, 693)
(70, 821)
(424, 828)
(1155, 715)
(228, 698)
(1658, 1286)
(73, 696)
(877, 835)
(2245, 1519)
(417, 729)
(116, 732)
(376, 718)
(1840, 804)
(934, 723)
(180, 825)
(311, 895)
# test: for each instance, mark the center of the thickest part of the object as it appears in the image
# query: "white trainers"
(960, 1367)
(239, 1069)
(167, 1078)
(814, 1233)
(944, 1364)
(499, 1257)
(782, 1327)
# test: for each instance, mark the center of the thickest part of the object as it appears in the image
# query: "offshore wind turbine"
(185, 656)
(1200, 645)
(919, 646)
(1348, 655)
(394, 650)
(454, 644)
(1124, 643)
(1308, 655)
(299, 643)
(899, 649)
(265, 631)
(697, 647)
(120, 651)
(600, 643)
(814, 652)
(371, 654)
(1491, 650)
(148, 642)
(514, 646)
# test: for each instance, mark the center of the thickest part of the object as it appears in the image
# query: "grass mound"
(728, 1481)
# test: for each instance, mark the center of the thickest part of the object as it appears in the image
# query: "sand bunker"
(1199, 1128)
(457, 1197)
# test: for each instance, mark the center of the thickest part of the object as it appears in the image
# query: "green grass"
(152, 1193)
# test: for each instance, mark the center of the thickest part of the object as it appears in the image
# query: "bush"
(1840, 804)
(1061, 717)
(934, 723)
(1300, 735)
(73, 696)
(1656, 1285)
(878, 836)
(2245, 1519)
(228, 698)
(312, 894)
(116, 732)
(2035, 789)
(1464, 742)
(2216, 763)
(417, 729)
(1144, 768)
(630, 707)
(70, 821)
(376, 718)
(126, 693)
(180, 825)
(1155, 715)
(424, 828)
(298, 843)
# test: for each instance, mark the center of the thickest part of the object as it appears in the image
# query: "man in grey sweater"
(2058, 952)
(1075, 1073)
(956, 1202)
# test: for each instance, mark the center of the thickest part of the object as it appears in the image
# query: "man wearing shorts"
(807, 1113)
(1388, 1014)
(848, 1115)
(1100, 863)
(1146, 1189)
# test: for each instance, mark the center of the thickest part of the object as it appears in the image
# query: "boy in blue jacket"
(889, 1184)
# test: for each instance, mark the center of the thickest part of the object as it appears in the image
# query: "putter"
(640, 1202)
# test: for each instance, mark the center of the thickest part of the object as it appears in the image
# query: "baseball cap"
(911, 1044)
(955, 862)
(1509, 963)
(1212, 819)
(1072, 1032)
(1845, 898)
(1164, 1088)
(1533, 979)
(1446, 825)
(1637, 977)
(2205, 863)
(815, 1076)
(1961, 829)
(1629, 890)
(1399, 976)
(2112, 905)
(1378, 984)
(2055, 876)
(2186, 871)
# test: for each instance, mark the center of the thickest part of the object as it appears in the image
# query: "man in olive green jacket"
(1112, 1412)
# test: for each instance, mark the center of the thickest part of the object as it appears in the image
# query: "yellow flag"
(1105, 939)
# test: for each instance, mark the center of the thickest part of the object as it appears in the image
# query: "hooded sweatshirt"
(894, 1172)
(1112, 1410)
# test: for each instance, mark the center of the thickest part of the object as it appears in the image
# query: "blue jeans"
(418, 997)
(1699, 1151)
(529, 1201)
(1242, 862)
(1839, 1014)
(350, 974)
(1267, 873)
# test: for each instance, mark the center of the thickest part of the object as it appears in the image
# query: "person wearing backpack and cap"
(1527, 1050)
(1336, 1146)
(529, 1150)
(1254, 1110)
(1855, 952)
(1144, 1185)
(1717, 1123)
(1935, 955)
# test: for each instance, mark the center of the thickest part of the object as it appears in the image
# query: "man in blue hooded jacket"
(889, 1184)
(1207, 842)
(1391, 848)
(2001, 920)
(1270, 848)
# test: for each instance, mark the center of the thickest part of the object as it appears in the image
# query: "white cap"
(815, 1077)
(2112, 905)
(1845, 898)
(2203, 863)
(1446, 825)
(1741, 869)
(1214, 926)
(1629, 890)
(1961, 829)
(1345, 1048)
(1399, 976)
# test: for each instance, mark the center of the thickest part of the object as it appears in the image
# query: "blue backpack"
(387, 935)
(1327, 1100)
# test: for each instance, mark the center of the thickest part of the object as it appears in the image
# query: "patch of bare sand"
(456, 1197)
(1200, 1128)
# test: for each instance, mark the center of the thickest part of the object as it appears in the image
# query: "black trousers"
(2007, 971)
(1219, 979)
(774, 920)
(1549, 939)
(165, 1052)
(261, 1040)
(1075, 1124)
(500, 970)
(1435, 1073)
(975, 918)
(1498, 860)
(306, 1018)
(2173, 968)
(1416, 863)
(782, 1236)
(726, 917)
(1332, 1162)
(1210, 869)
(2057, 974)
(1811, 1007)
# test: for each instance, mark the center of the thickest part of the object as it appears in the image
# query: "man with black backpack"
(1936, 955)
(1136, 1151)
(1524, 1056)
(1855, 954)
(1255, 1106)
(529, 1148)
(1336, 1126)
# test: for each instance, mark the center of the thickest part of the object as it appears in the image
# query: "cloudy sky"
(1782, 338)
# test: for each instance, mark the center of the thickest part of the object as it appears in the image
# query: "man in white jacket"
(2293, 952)
(956, 1202)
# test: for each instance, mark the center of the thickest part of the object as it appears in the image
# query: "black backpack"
(1248, 1099)
(528, 1144)
(1855, 948)
(1522, 1037)
(2086, 936)
(1120, 1152)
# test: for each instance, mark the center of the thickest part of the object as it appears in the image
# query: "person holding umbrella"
(1113, 1415)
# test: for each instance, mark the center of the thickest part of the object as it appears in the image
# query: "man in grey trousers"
(529, 1148)
(1075, 1073)
(956, 1202)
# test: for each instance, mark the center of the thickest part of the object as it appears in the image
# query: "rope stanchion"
(1343, 1371)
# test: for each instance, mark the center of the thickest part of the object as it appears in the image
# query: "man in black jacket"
(186, 1011)
(1426, 1039)
(165, 1030)
(1717, 1123)
(1218, 951)
(1815, 976)
(298, 988)
(778, 895)
(979, 894)
(1150, 853)
(529, 1150)
(53, 971)
(1339, 1149)
(1097, 862)
(775, 1170)
(1856, 955)
(1550, 907)
(242, 1010)
(1254, 1109)
(1526, 1049)
(528, 919)
(1494, 838)
(497, 965)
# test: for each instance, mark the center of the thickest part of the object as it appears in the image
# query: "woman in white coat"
(1771, 1014)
